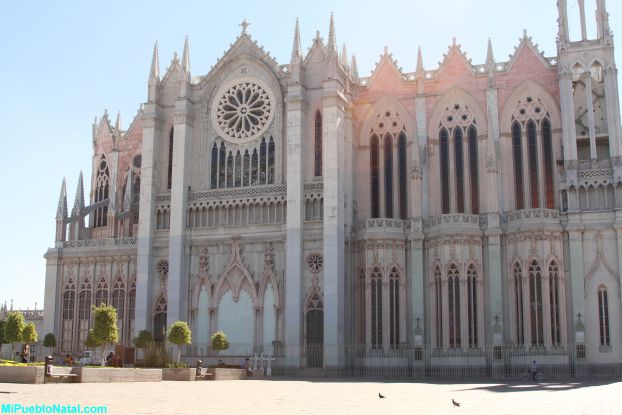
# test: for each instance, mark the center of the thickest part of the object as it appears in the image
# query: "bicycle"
(528, 374)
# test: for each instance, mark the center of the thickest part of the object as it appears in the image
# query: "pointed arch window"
(603, 317)
(535, 299)
(118, 301)
(262, 161)
(84, 305)
(375, 177)
(238, 169)
(169, 176)
(453, 293)
(246, 169)
(438, 296)
(518, 165)
(101, 194)
(388, 176)
(136, 199)
(214, 167)
(131, 309)
(255, 169)
(554, 301)
(403, 188)
(472, 306)
(222, 159)
(394, 308)
(271, 161)
(229, 179)
(318, 144)
(376, 308)
(473, 169)
(459, 165)
(445, 190)
(533, 163)
(101, 297)
(517, 277)
(547, 144)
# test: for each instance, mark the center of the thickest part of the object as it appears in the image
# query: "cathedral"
(293, 205)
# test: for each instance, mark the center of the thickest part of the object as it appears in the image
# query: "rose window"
(315, 262)
(243, 111)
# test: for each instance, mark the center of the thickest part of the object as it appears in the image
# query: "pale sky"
(64, 62)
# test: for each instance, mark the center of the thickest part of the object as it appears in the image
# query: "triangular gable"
(525, 49)
(173, 72)
(386, 73)
(316, 53)
(455, 61)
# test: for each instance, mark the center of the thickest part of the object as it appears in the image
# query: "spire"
(344, 56)
(154, 74)
(296, 53)
(61, 211)
(79, 202)
(332, 41)
(127, 198)
(117, 123)
(490, 64)
(419, 69)
(354, 69)
(185, 58)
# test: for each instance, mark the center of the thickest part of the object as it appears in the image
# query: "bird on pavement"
(381, 396)
(455, 403)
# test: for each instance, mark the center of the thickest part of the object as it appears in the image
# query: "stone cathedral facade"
(453, 208)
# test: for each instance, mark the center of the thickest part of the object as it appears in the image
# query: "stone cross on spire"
(244, 25)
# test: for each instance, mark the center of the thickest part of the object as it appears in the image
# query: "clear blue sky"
(64, 62)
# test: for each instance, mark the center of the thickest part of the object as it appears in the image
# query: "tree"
(13, 329)
(30, 335)
(179, 334)
(143, 341)
(49, 341)
(105, 329)
(2, 341)
(219, 341)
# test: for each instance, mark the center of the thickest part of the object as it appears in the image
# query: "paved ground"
(319, 397)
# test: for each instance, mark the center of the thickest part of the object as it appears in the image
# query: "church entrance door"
(315, 338)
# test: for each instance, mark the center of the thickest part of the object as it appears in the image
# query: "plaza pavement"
(319, 397)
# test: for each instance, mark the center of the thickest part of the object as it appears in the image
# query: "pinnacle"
(353, 68)
(154, 74)
(61, 211)
(185, 58)
(296, 53)
(419, 61)
(79, 201)
(117, 124)
(332, 41)
(490, 59)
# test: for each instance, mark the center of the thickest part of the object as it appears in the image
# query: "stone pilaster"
(577, 276)
(417, 284)
(612, 103)
(177, 272)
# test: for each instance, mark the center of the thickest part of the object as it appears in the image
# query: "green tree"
(105, 329)
(143, 341)
(30, 335)
(13, 329)
(2, 341)
(49, 341)
(219, 341)
(179, 334)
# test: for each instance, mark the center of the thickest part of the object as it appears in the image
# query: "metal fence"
(579, 362)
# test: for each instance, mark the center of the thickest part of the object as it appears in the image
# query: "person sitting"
(247, 366)
(110, 359)
(68, 359)
(26, 354)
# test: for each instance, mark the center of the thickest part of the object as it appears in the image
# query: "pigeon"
(455, 403)
(381, 396)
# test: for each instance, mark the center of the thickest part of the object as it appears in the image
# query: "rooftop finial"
(525, 34)
(61, 211)
(419, 69)
(128, 196)
(185, 57)
(332, 41)
(154, 74)
(490, 59)
(244, 25)
(453, 41)
(79, 201)
(117, 123)
(354, 69)
(296, 53)
(344, 56)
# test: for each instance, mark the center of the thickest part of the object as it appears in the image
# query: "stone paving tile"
(326, 397)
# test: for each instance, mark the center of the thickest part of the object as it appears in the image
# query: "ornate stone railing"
(32, 314)
(533, 216)
(453, 219)
(239, 192)
(94, 243)
(383, 224)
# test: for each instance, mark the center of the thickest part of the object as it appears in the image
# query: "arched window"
(131, 309)
(222, 158)
(69, 302)
(271, 161)
(254, 169)
(533, 164)
(438, 291)
(159, 320)
(169, 176)
(238, 169)
(535, 302)
(472, 306)
(318, 144)
(517, 277)
(518, 165)
(547, 144)
(554, 299)
(262, 161)
(118, 302)
(246, 173)
(375, 177)
(229, 180)
(388, 176)
(603, 317)
(376, 309)
(84, 305)
(453, 293)
(394, 308)
(403, 190)
(136, 198)
(101, 295)
(459, 165)
(214, 174)
(101, 194)
(445, 190)
(473, 170)
(361, 307)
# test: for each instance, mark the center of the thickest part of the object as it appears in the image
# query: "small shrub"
(156, 356)
(178, 365)
(219, 341)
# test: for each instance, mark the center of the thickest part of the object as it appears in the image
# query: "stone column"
(152, 134)
(334, 218)
(53, 288)
(417, 282)
(612, 103)
(296, 112)
(577, 274)
(177, 273)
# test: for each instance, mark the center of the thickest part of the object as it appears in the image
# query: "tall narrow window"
(535, 299)
(518, 300)
(101, 296)
(453, 291)
(135, 199)
(403, 192)
(361, 307)
(473, 170)
(169, 176)
(518, 166)
(388, 176)
(603, 317)
(238, 169)
(318, 143)
(375, 177)
(262, 161)
(376, 308)
(547, 144)
(229, 182)
(222, 159)
(533, 164)
(132, 305)
(394, 307)
(214, 167)
(100, 214)
(246, 173)
(254, 169)
(84, 305)
(444, 144)
(472, 306)
(459, 165)
(554, 303)
(271, 161)
(438, 290)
